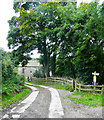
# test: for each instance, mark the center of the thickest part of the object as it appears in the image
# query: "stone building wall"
(29, 69)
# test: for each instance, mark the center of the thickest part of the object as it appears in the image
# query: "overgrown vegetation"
(65, 87)
(11, 82)
(13, 88)
(8, 101)
(90, 99)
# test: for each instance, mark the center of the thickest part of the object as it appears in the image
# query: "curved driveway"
(43, 102)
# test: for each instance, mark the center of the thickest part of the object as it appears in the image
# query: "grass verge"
(10, 100)
(33, 85)
(56, 85)
(90, 99)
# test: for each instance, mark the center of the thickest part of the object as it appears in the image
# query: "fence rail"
(92, 88)
(59, 79)
(62, 80)
(75, 85)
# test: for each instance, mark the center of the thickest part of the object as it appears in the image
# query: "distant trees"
(69, 39)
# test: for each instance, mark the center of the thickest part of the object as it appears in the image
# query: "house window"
(23, 70)
(30, 71)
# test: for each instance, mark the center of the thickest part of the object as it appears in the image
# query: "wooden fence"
(62, 80)
(75, 85)
(91, 88)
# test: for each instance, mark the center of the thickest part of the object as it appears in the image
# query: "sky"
(6, 12)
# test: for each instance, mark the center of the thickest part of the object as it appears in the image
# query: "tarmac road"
(40, 107)
(47, 102)
(43, 102)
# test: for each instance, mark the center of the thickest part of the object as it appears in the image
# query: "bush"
(13, 85)
(68, 87)
(39, 74)
(22, 80)
(11, 81)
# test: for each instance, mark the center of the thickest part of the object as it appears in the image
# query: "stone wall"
(29, 69)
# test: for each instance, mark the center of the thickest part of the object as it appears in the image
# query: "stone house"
(29, 69)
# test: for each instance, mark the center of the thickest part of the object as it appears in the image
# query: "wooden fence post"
(102, 92)
(79, 87)
(75, 85)
(72, 84)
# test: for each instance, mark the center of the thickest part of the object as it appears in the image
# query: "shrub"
(68, 87)
(39, 74)
(11, 81)
(22, 80)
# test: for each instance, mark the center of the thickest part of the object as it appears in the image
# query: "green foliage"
(25, 5)
(34, 29)
(87, 57)
(64, 66)
(70, 39)
(9, 100)
(11, 82)
(82, 50)
(39, 73)
(87, 98)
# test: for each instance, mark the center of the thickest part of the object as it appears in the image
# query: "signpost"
(94, 78)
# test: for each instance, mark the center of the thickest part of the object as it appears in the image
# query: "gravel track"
(72, 110)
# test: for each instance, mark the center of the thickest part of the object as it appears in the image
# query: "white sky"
(6, 12)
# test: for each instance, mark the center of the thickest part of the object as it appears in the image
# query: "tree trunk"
(46, 60)
(47, 67)
(53, 64)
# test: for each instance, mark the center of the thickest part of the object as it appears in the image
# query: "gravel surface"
(72, 110)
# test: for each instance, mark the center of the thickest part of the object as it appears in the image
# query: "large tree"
(35, 28)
